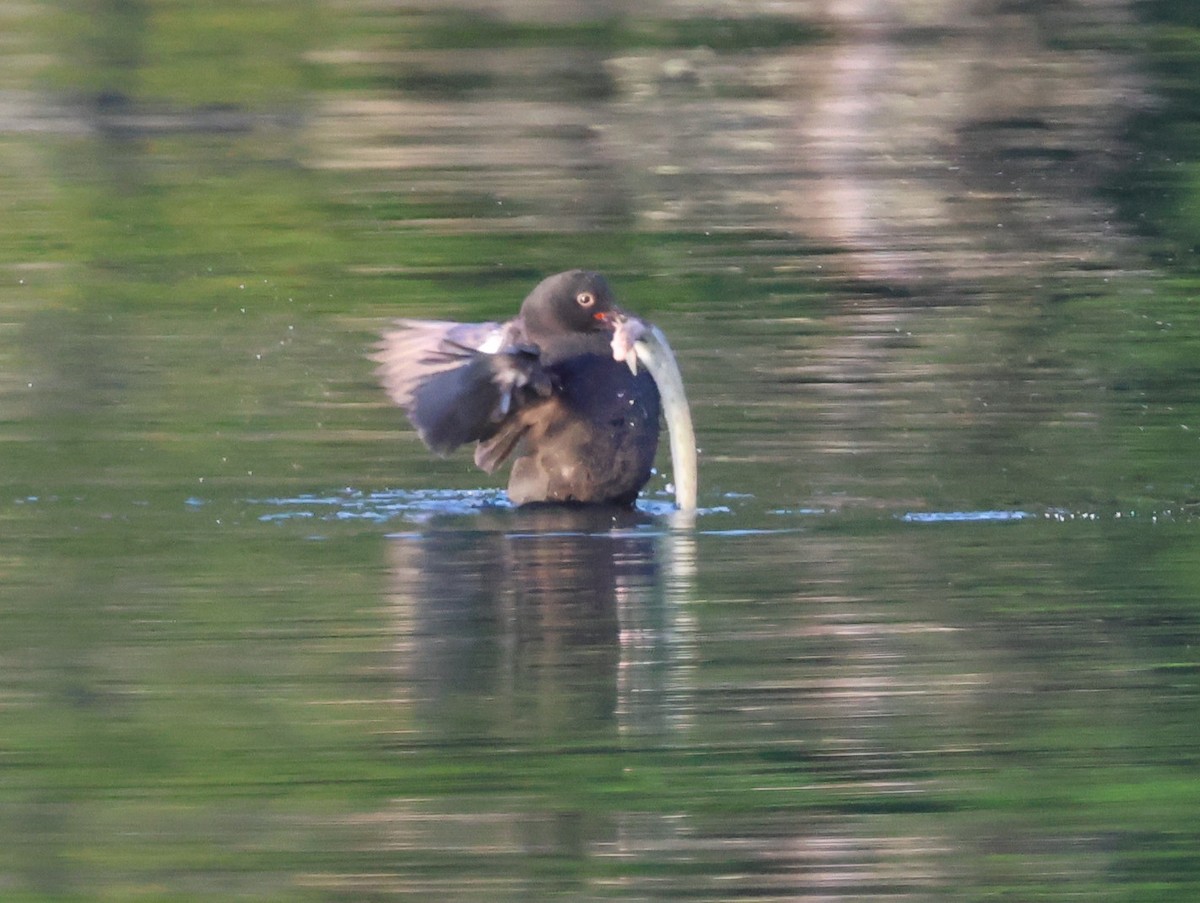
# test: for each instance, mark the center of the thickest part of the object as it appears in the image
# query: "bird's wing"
(461, 382)
(413, 350)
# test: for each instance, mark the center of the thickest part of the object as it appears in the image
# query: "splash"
(412, 505)
(382, 505)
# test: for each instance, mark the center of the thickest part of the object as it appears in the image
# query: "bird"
(557, 389)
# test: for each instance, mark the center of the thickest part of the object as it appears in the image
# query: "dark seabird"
(558, 389)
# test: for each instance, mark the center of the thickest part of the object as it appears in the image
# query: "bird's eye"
(585, 299)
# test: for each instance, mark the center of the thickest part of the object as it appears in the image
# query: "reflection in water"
(885, 249)
(555, 631)
(932, 150)
(551, 656)
(552, 623)
(860, 235)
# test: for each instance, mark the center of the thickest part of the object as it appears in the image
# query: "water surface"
(930, 275)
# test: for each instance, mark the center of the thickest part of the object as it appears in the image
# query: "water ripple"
(956, 517)
(415, 505)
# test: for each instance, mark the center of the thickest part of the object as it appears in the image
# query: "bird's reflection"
(540, 624)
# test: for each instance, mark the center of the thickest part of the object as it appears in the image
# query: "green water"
(932, 283)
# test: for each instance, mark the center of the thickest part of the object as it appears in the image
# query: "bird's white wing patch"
(493, 342)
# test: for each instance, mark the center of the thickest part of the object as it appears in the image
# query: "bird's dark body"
(594, 440)
(543, 388)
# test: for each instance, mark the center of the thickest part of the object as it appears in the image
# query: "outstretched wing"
(462, 382)
(414, 350)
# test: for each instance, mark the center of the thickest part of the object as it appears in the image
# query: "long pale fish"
(635, 340)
